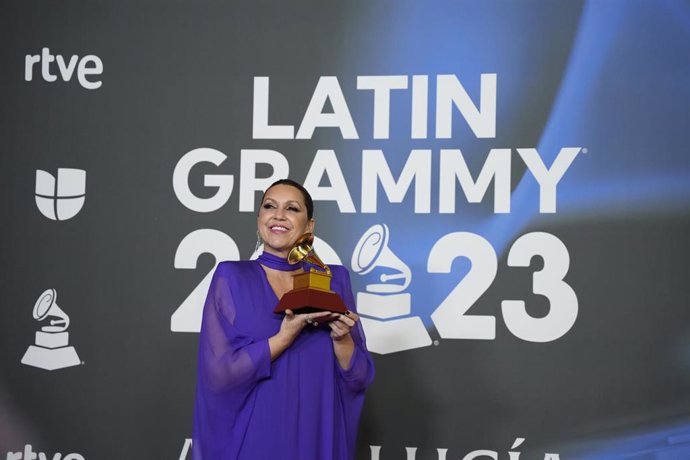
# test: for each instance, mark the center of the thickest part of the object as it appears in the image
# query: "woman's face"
(282, 219)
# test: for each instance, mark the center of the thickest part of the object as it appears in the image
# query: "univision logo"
(61, 198)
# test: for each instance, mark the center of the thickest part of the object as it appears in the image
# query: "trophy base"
(51, 359)
(52, 339)
(311, 300)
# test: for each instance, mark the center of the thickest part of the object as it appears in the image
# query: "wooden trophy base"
(311, 293)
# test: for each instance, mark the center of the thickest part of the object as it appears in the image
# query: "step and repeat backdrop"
(507, 182)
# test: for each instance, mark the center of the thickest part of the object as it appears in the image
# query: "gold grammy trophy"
(311, 290)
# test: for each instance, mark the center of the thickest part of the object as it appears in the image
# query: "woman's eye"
(268, 205)
(292, 208)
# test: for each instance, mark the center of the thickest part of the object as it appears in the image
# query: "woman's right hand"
(290, 328)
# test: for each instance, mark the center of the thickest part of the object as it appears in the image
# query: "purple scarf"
(277, 263)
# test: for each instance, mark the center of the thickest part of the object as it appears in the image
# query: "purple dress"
(301, 406)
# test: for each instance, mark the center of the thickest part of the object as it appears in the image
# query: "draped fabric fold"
(301, 406)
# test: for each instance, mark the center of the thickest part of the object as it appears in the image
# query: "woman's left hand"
(341, 325)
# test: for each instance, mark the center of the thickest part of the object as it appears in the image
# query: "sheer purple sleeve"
(230, 365)
(360, 371)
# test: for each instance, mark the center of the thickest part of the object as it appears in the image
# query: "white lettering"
(496, 168)
(65, 68)
(382, 86)
(259, 168)
(186, 447)
(375, 169)
(46, 59)
(249, 183)
(224, 182)
(327, 89)
(260, 127)
(29, 62)
(66, 71)
(481, 453)
(420, 106)
(325, 162)
(29, 454)
(450, 95)
(548, 178)
(547, 282)
(516, 443)
(187, 316)
(450, 316)
(449, 92)
(411, 453)
(83, 71)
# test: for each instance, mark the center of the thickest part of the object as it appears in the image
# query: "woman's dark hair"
(309, 203)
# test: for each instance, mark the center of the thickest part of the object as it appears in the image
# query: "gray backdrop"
(607, 79)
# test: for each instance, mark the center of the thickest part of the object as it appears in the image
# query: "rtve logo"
(61, 198)
(29, 454)
(88, 65)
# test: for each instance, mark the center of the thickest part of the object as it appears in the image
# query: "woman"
(273, 386)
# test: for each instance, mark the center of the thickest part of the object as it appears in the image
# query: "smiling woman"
(286, 213)
(272, 385)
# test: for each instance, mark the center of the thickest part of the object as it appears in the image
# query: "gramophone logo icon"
(51, 350)
(384, 307)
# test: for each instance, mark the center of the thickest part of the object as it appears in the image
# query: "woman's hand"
(343, 345)
(293, 324)
(290, 328)
(341, 325)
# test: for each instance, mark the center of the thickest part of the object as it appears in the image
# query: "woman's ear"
(311, 225)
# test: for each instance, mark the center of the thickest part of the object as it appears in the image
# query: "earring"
(259, 242)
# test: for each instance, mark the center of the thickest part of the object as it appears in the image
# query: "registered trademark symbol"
(585, 150)
(436, 343)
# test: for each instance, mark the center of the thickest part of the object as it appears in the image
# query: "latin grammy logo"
(384, 306)
(51, 350)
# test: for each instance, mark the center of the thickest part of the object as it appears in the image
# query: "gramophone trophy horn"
(303, 251)
(311, 289)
